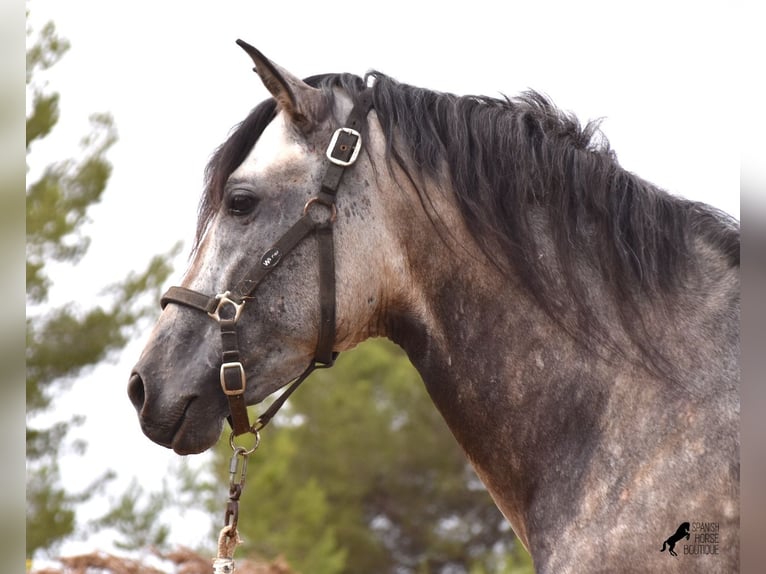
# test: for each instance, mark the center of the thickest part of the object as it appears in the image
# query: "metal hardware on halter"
(332, 207)
(241, 449)
(242, 379)
(355, 146)
(223, 299)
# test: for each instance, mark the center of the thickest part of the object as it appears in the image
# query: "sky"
(659, 73)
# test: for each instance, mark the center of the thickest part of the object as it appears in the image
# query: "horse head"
(272, 172)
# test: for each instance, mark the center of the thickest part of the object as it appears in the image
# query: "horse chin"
(194, 438)
(195, 431)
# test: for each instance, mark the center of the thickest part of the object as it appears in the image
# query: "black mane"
(530, 181)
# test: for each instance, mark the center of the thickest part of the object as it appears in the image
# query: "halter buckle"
(228, 391)
(343, 147)
(223, 299)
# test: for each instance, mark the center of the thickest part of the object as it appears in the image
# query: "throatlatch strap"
(269, 413)
(326, 338)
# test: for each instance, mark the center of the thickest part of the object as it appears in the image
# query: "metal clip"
(237, 470)
(231, 517)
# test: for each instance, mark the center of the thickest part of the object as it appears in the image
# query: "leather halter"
(226, 308)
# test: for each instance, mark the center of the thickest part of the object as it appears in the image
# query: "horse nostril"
(136, 391)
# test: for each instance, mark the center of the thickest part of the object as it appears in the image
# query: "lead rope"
(228, 538)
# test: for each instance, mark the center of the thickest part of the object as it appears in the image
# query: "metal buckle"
(242, 378)
(354, 153)
(223, 299)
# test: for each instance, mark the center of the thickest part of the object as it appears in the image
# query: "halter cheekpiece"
(226, 308)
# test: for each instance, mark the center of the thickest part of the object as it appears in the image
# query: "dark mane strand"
(550, 204)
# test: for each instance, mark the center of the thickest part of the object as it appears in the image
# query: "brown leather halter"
(226, 308)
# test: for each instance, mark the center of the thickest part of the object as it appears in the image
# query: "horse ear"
(302, 103)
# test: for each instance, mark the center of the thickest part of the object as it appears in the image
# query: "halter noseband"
(226, 308)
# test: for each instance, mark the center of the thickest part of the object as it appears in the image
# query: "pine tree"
(63, 342)
(359, 473)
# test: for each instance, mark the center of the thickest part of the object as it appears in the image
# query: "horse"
(681, 532)
(576, 326)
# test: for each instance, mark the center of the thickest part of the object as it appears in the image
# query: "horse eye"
(242, 203)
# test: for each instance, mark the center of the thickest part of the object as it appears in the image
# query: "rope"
(228, 540)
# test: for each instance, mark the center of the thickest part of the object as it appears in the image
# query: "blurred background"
(124, 105)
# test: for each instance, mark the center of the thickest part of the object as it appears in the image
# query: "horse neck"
(475, 338)
(525, 401)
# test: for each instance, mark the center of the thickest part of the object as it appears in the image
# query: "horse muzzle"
(186, 423)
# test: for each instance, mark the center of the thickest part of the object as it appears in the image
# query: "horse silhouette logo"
(681, 532)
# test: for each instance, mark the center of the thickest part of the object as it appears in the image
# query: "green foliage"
(299, 529)
(57, 204)
(46, 51)
(62, 342)
(362, 475)
(49, 507)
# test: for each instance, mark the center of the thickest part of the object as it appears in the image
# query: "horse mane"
(529, 181)
(550, 204)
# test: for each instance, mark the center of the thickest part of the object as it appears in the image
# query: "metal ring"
(224, 299)
(332, 207)
(241, 449)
